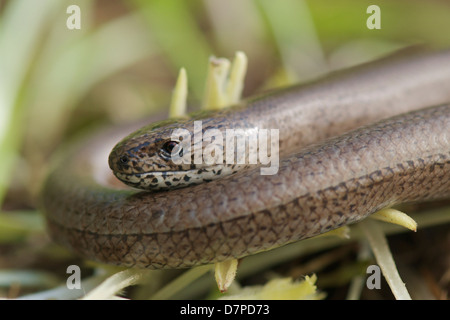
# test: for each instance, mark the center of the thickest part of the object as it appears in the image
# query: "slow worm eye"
(171, 148)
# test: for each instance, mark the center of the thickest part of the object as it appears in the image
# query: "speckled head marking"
(145, 158)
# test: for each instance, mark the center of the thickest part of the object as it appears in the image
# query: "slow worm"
(398, 151)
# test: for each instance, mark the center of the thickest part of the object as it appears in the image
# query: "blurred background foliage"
(122, 63)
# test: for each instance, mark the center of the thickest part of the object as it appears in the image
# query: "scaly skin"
(319, 188)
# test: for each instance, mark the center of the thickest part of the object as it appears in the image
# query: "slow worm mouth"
(161, 180)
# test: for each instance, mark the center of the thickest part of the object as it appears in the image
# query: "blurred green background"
(122, 63)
